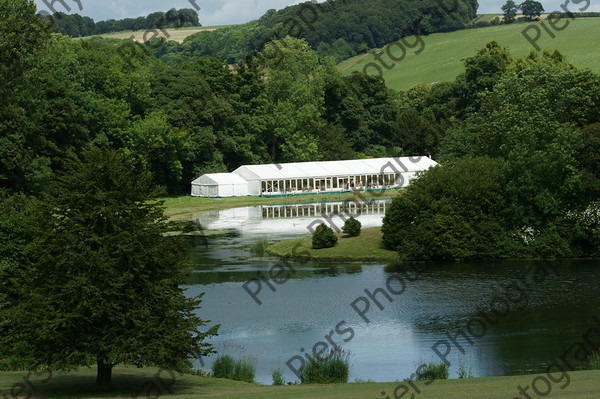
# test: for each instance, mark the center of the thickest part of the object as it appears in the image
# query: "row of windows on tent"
(331, 183)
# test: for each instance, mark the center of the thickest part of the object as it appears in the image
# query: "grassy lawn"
(442, 58)
(141, 383)
(366, 247)
(185, 206)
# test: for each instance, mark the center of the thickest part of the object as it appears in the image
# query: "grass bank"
(442, 58)
(368, 246)
(185, 207)
(133, 382)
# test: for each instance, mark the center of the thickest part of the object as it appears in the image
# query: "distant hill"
(338, 28)
(443, 54)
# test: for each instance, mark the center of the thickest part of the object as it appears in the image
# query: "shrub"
(278, 378)
(593, 362)
(433, 372)
(244, 371)
(324, 237)
(223, 367)
(352, 227)
(238, 370)
(13, 363)
(464, 372)
(260, 247)
(496, 21)
(332, 367)
(482, 24)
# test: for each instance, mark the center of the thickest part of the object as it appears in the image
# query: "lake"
(508, 317)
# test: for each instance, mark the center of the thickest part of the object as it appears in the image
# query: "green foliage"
(433, 372)
(593, 362)
(464, 371)
(223, 367)
(324, 237)
(452, 213)
(260, 247)
(531, 9)
(352, 227)
(510, 10)
(525, 122)
(19, 46)
(295, 90)
(13, 363)
(340, 29)
(105, 284)
(75, 25)
(331, 367)
(239, 370)
(278, 377)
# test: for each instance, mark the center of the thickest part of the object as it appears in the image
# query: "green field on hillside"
(174, 34)
(141, 383)
(442, 57)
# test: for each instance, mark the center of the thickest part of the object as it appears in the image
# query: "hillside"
(441, 60)
(176, 34)
(333, 28)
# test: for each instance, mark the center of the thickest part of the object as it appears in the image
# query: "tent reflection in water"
(312, 177)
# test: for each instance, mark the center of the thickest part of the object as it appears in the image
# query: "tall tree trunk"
(104, 376)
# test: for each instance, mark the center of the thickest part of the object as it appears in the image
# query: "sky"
(225, 12)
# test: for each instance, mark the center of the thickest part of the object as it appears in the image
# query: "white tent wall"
(312, 177)
(219, 185)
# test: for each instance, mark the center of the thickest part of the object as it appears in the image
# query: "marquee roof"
(298, 170)
(220, 179)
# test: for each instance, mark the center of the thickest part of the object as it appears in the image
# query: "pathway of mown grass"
(128, 382)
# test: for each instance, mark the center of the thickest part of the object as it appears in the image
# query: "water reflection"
(293, 219)
(435, 304)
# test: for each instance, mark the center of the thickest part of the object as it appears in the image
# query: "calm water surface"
(550, 312)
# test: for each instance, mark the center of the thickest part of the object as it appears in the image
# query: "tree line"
(519, 173)
(190, 116)
(75, 25)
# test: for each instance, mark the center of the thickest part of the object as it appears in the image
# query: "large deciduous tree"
(510, 10)
(531, 9)
(22, 34)
(105, 287)
(295, 89)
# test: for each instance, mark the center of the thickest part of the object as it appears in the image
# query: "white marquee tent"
(313, 177)
(219, 185)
